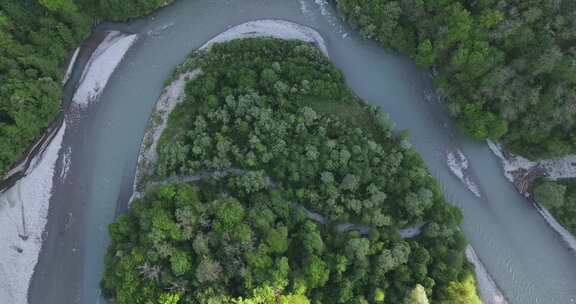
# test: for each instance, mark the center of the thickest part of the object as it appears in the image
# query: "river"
(527, 259)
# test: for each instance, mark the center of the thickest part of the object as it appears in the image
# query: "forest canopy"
(317, 191)
(506, 68)
(36, 37)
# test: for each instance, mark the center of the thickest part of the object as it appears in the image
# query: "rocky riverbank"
(523, 172)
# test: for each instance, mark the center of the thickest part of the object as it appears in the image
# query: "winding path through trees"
(405, 233)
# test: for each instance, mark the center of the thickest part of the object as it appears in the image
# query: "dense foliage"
(121, 9)
(560, 199)
(34, 43)
(278, 117)
(178, 238)
(507, 68)
(36, 36)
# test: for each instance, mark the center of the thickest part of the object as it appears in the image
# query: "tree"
(169, 298)
(277, 239)
(461, 292)
(268, 77)
(358, 248)
(350, 182)
(252, 181)
(208, 271)
(482, 124)
(269, 295)
(180, 263)
(418, 296)
(316, 272)
(293, 299)
(425, 55)
(550, 194)
(312, 240)
(379, 295)
(121, 10)
(59, 5)
(229, 213)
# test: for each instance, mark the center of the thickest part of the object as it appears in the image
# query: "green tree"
(277, 239)
(59, 5)
(379, 295)
(208, 271)
(358, 248)
(229, 213)
(180, 263)
(425, 55)
(418, 296)
(169, 298)
(461, 292)
(316, 272)
(550, 194)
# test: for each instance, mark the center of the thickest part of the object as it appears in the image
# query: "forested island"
(506, 68)
(278, 117)
(36, 38)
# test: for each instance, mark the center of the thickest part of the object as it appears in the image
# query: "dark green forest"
(120, 9)
(507, 69)
(36, 37)
(559, 197)
(278, 116)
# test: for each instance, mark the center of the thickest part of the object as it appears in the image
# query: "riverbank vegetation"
(279, 118)
(120, 9)
(506, 68)
(36, 37)
(559, 197)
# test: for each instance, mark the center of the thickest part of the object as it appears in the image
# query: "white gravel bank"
(23, 216)
(554, 169)
(71, 66)
(101, 65)
(487, 288)
(270, 28)
(172, 96)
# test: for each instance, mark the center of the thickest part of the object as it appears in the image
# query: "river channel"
(528, 260)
